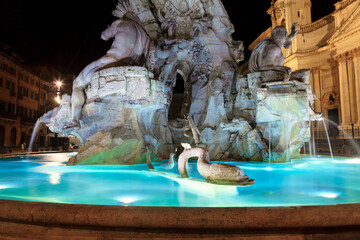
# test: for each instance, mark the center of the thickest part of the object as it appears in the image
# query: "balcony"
(28, 120)
(9, 116)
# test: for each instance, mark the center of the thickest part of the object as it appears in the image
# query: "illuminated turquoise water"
(45, 178)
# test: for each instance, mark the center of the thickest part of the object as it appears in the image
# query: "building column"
(352, 89)
(357, 83)
(344, 92)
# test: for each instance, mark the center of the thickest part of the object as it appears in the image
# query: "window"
(7, 84)
(9, 108)
(27, 79)
(300, 13)
(2, 106)
(32, 81)
(13, 137)
(12, 93)
(21, 76)
(1, 81)
(283, 23)
(12, 71)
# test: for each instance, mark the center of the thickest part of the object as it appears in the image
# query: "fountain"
(123, 111)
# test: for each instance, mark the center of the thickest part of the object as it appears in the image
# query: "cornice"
(348, 55)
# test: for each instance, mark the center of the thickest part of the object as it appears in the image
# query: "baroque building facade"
(24, 96)
(330, 48)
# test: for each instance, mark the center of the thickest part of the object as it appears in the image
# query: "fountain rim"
(115, 217)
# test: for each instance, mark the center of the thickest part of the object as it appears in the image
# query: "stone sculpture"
(120, 112)
(213, 172)
(267, 55)
(131, 43)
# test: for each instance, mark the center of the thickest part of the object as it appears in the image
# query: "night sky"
(66, 34)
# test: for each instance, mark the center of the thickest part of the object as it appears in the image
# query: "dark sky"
(66, 34)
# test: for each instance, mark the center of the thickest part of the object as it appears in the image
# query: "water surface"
(307, 181)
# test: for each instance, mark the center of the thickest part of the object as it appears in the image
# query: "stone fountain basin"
(32, 220)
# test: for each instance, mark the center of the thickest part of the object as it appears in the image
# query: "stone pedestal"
(279, 111)
(282, 116)
(125, 113)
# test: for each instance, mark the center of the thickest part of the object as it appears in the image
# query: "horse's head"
(110, 31)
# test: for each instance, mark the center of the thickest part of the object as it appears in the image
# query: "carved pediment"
(350, 24)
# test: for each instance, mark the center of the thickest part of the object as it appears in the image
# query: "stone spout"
(213, 172)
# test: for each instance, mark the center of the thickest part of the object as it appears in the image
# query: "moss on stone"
(127, 153)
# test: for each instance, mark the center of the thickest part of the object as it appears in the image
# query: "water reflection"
(309, 181)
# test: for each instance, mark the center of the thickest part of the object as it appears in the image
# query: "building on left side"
(24, 97)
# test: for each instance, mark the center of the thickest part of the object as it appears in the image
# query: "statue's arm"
(293, 30)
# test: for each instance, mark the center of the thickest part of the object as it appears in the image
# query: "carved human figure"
(267, 55)
(131, 43)
(177, 16)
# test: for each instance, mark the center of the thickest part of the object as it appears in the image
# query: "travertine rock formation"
(126, 108)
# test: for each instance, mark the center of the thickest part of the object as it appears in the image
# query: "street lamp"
(58, 86)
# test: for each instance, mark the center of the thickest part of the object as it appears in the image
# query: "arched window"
(2, 135)
(283, 23)
(13, 137)
(23, 136)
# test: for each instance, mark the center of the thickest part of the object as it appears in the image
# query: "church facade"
(330, 48)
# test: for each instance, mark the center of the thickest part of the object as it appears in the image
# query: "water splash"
(313, 138)
(34, 135)
(170, 165)
(310, 146)
(288, 124)
(269, 129)
(148, 159)
(327, 135)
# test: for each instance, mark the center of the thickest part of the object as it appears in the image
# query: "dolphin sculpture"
(212, 172)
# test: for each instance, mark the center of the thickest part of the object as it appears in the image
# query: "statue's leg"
(77, 101)
(301, 75)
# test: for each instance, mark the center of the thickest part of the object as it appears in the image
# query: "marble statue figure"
(171, 77)
(267, 55)
(131, 43)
